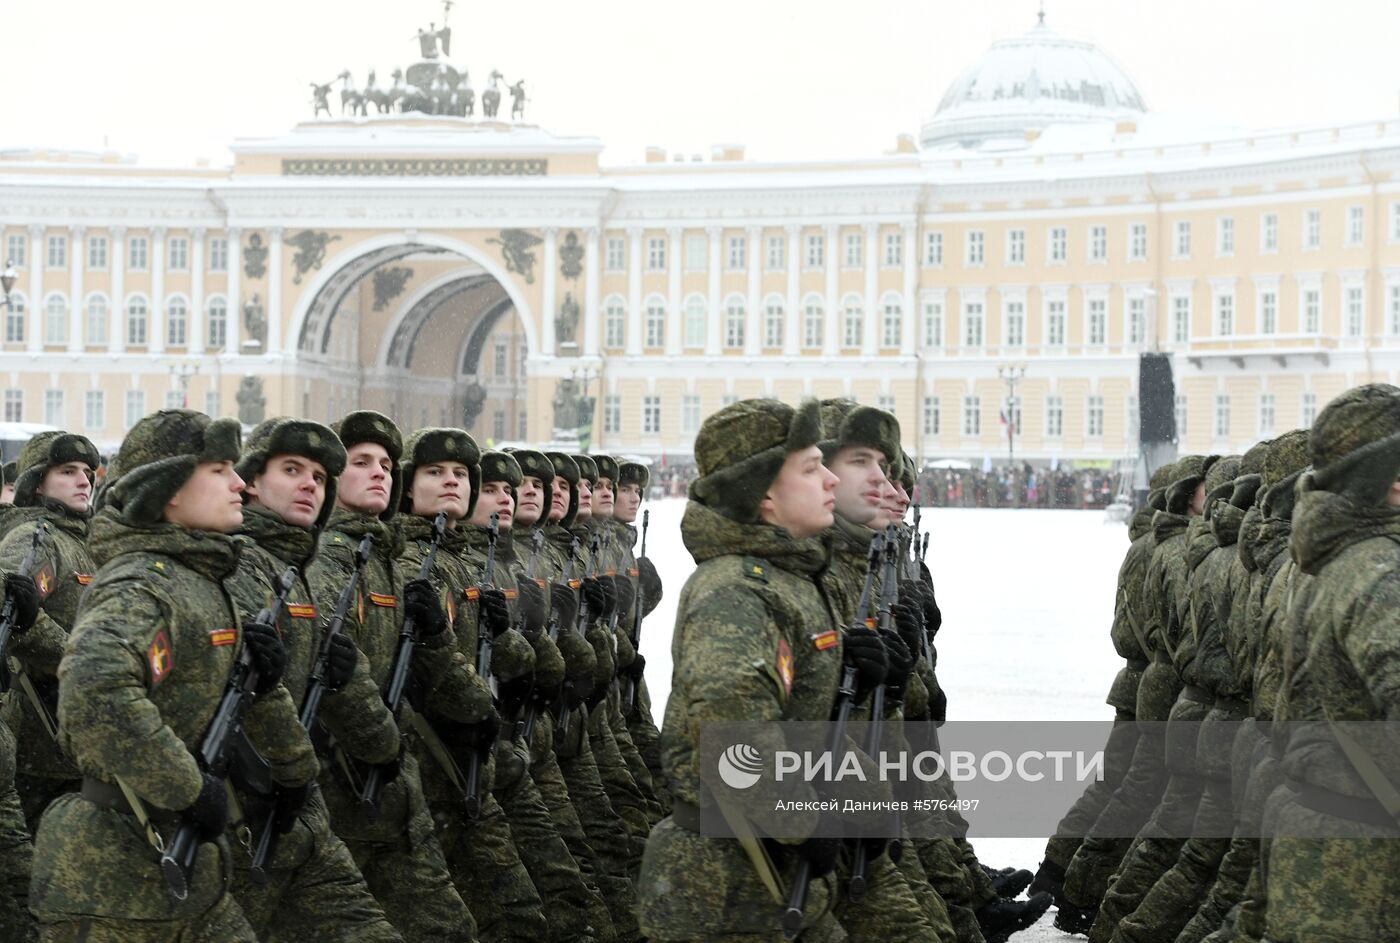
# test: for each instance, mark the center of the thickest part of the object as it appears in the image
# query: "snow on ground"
(1027, 599)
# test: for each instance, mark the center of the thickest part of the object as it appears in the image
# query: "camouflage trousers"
(489, 874)
(223, 923)
(648, 742)
(943, 867)
(611, 730)
(16, 852)
(930, 901)
(623, 794)
(889, 910)
(1118, 755)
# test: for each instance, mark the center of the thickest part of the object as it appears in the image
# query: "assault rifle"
(375, 779)
(526, 730)
(526, 727)
(845, 700)
(216, 749)
(581, 626)
(631, 695)
(7, 613)
(311, 705)
(483, 668)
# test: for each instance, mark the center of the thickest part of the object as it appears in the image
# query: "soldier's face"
(585, 501)
(897, 502)
(7, 494)
(495, 497)
(602, 499)
(863, 485)
(291, 486)
(629, 499)
(69, 484)
(529, 501)
(1198, 500)
(802, 498)
(364, 485)
(559, 499)
(211, 500)
(441, 486)
(1392, 498)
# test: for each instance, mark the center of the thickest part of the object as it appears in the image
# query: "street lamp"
(182, 373)
(8, 279)
(1011, 374)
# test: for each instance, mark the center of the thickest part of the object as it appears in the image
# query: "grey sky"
(170, 80)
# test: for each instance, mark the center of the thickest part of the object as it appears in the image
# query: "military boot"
(1001, 918)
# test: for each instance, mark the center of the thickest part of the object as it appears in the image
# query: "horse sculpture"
(491, 98)
(350, 96)
(464, 97)
(381, 98)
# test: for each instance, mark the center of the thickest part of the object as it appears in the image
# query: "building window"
(813, 322)
(97, 252)
(1225, 235)
(1054, 417)
(933, 322)
(174, 399)
(1015, 247)
(217, 334)
(728, 399)
(1356, 225)
(1225, 314)
(1312, 310)
(972, 415)
(1093, 417)
(212, 407)
(614, 323)
(975, 245)
(137, 253)
(58, 252)
(1137, 242)
(656, 254)
(1181, 318)
(612, 414)
(1356, 311)
(894, 249)
(615, 259)
(135, 407)
(1268, 312)
(1015, 323)
(1055, 323)
(697, 253)
(16, 250)
(14, 405)
(885, 402)
(690, 414)
(931, 418)
(852, 322)
(1266, 414)
(1181, 245)
(933, 248)
(776, 258)
(1395, 222)
(736, 260)
(1179, 411)
(734, 322)
(1312, 229)
(695, 321)
(94, 409)
(55, 319)
(1393, 327)
(773, 315)
(97, 319)
(656, 322)
(499, 360)
(973, 326)
(855, 250)
(1137, 319)
(1268, 232)
(1132, 417)
(179, 252)
(177, 323)
(1059, 245)
(1098, 321)
(1222, 416)
(1098, 243)
(1309, 413)
(892, 322)
(53, 408)
(816, 251)
(14, 320)
(498, 424)
(651, 415)
(218, 256)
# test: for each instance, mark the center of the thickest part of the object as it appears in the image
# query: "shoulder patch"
(302, 612)
(472, 592)
(510, 593)
(223, 636)
(786, 665)
(44, 579)
(83, 578)
(824, 640)
(160, 657)
(337, 538)
(756, 569)
(633, 572)
(387, 600)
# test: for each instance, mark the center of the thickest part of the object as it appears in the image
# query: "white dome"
(1027, 83)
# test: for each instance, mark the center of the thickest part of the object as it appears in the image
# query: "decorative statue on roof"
(320, 99)
(517, 100)
(567, 323)
(254, 323)
(491, 98)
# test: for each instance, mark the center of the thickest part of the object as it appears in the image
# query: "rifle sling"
(438, 749)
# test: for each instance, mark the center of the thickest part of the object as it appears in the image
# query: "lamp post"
(1011, 374)
(182, 373)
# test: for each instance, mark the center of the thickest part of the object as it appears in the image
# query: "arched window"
(774, 313)
(136, 320)
(614, 322)
(891, 320)
(97, 314)
(813, 321)
(655, 309)
(14, 318)
(852, 321)
(55, 319)
(217, 334)
(695, 321)
(177, 322)
(734, 315)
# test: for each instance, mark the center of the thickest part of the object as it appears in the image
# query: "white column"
(195, 337)
(911, 276)
(551, 281)
(234, 343)
(714, 326)
(155, 336)
(274, 290)
(792, 341)
(76, 261)
(753, 341)
(34, 343)
(590, 292)
(116, 324)
(831, 331)
(673, 293)
(634, 291)
(870, 331)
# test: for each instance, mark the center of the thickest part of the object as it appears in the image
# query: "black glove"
(543, 696)
(901, 663)
(340, 665)
(485, 731)
(594, 597)
(532, 613)
(909, 623)
(609, 596)
(210, 809)
(874, 847)
(866, 653)
(933, 616)
(937, 706)
(293, 801)
(514, 693)
(25, 594)
(822, 852)
(578, 690)
(563, 604)
(421, 604)
(635, 669)
(495, 611)
(626, 595)
(268, 655)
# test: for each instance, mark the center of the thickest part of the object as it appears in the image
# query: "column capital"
(793, 229)
(910, 227)
(674, 232)
(714, 232)
(870, 229)
(832, 230)
(117, 232)
(550, 232)
(158, 232)
(274, 234)
(234, 233)
(77, 230)
(634, 232)
(753, 232)
(37, 229)
(198, 233)
(593, 232)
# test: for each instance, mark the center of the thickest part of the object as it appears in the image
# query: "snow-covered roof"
(1027, 83)
(415, 134)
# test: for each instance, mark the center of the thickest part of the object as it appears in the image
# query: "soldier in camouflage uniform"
(143, 674)
(441, 472)
(53, 493)
(396, 849)
(754, 525)
(311, 884)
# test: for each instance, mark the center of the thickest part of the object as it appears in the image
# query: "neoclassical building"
(455, 270)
